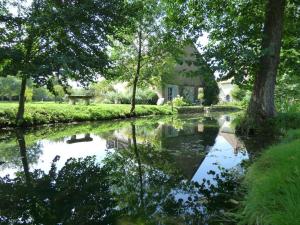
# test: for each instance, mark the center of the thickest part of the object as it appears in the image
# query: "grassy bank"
(190, 109)
(226, 107)
(48, 113)
(201, 109)
(273, 184)
(278, 125)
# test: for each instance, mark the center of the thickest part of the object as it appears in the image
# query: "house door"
(172, 91)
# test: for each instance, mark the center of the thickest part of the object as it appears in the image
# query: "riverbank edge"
(48, 113)
(272, 185)
(36, 115)
(202, 109)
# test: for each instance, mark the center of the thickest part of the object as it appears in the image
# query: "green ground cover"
(48, 113)
(273, 184)
(190, 109)
(227, 107)
(214, 108)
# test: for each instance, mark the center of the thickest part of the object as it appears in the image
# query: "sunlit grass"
(273, 182)
(45, 113)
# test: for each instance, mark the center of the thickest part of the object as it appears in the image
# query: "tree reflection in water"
(77, 194)
(139, 184)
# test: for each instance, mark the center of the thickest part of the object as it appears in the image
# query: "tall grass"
(273, 184)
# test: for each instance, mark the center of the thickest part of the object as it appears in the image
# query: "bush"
(241, 95)
(211, 93)
(146, 96)
(143, 96)
(288, 105)
(111, 97)
(178, 101)
(238, 93)
(290, 120)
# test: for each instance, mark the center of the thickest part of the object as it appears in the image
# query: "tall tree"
(58, 40)
(149, 46)
(245, 39)
(262, 105)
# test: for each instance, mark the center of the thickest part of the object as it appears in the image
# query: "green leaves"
(158, 48)
(66, 40)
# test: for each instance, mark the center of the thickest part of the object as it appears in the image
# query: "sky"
(203, 41)
(14, 10)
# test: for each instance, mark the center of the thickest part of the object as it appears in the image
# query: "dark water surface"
(147, 171)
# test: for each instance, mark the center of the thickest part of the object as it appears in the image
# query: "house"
(228, 133)
(184, 79)
(180, 82)
(225, 87)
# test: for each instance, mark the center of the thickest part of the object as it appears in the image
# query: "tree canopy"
(150, 47)
(59, 40)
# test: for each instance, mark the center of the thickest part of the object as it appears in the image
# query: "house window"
(170, 93)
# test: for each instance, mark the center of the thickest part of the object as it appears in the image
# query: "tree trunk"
(262, 106)
(139, 164)
(23, 153)
(35, 213)
(21, 109)
(137, 74)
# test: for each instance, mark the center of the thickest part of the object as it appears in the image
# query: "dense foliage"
(10, 87)
(143, 96)
(210, 87)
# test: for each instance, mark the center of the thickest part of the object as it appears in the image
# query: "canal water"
(158, 170)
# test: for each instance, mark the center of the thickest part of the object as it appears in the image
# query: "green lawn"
(46, 113)
(273, 184)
